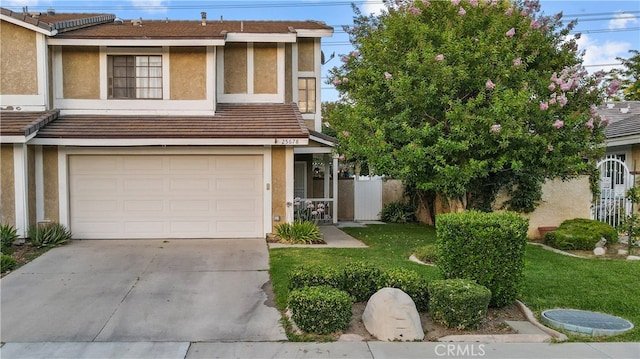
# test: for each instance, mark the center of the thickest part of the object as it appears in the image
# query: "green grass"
(551, 280)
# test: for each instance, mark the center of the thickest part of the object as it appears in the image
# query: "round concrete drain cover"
(585, 322)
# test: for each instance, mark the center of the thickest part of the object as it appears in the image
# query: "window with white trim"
(307, 94)
(134, 76)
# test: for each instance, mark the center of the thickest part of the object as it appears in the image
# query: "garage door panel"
(166, 196)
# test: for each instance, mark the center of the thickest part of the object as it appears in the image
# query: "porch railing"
(319, 210)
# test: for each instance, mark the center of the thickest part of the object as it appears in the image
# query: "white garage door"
(166, 196)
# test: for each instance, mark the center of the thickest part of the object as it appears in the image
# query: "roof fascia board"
(257, 37)
(13, 139)
(133, 42)
(321, 140)
(311, 150)
(314, 33)
(27, 25)
(622, 141)
(163, 142)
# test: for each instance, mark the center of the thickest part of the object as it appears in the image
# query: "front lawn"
(551, 280)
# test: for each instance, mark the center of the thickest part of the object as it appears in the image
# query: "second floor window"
(135, 77)
(307, 94)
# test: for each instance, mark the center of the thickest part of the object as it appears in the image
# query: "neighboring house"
(158, 129)
(623, 133)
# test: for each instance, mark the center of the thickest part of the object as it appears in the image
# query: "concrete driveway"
(142, 290)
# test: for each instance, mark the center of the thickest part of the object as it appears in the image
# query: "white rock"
(599, 251)
(633, 258)
(622, 252)
(391, 314)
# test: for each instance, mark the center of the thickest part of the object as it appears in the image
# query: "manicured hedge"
(360, 280)
(580, 233)
(316, 275)
(458, 303)
(321, 309)
(409, 282)
(485, 247)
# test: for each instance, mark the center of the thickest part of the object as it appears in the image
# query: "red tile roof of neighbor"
(14, 123)
(230, 121)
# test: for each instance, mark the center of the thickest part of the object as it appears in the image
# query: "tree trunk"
(450, 205)
(424, 213)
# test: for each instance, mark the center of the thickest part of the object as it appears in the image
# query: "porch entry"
(611, 206)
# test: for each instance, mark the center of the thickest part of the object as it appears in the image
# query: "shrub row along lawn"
(551, 280)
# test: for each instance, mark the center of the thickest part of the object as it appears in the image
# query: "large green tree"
(625, 83)
(463, 98)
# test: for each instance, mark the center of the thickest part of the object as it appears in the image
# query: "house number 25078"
(287, 141)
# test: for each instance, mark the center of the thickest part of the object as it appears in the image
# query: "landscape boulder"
(391, 315)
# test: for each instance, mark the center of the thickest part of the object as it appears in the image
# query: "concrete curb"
(532, 319)
(544, 246)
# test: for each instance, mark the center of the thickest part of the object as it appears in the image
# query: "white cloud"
(621, 21)
(150, 6)
(372, 6)
(597, 53)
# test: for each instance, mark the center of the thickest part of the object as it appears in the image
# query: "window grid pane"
(135, 77)
(307, 94)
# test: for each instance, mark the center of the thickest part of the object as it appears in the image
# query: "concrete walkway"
(280, 350)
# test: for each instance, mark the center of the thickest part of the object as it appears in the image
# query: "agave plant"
(8, 235)
(48, 235)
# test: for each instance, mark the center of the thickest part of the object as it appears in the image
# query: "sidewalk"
(349, 350)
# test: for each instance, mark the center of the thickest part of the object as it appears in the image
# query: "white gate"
(611, 206)
(367, 194)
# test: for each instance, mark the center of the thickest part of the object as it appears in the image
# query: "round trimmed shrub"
(409, 282)
(580, 233)
(315, 275)
(321, 309)
(458, 303)
(360, 280)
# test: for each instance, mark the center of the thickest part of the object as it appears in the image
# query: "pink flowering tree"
(463, 98)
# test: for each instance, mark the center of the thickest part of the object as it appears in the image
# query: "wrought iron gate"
(615, 179)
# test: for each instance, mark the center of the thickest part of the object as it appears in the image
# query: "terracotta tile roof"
(230, 121)
(14, 123)
(161, 29)
(60, 21)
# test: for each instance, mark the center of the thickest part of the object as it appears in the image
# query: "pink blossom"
(496, 128)
(593, 110)
(566, 86)
(517, 62)
(346, 133)
(473, 3)
(552, 87)
(552, 101)
(509, 11)
(558, 124)
(493, 3)
(440, 57)
(535, 24)
(345, 80)
(355, 54)
(510, 33)
(387, 75)
(549, 148)
(613, 87)
(524, 13)
(345, 58)
(589, 124)
(604, 121)
(562, 100)
(462, 11)
(544, 106)
(490, 85)
(426, 3)
(336, 81)
(455, 2)
(414, 10)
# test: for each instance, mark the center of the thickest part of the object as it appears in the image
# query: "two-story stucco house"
(158, 129)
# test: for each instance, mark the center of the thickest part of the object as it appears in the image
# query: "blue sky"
(609, 28)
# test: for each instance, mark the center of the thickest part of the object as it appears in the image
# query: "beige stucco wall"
(392, 191)
(18, 56)
(265, 68)
(306, 55)
(288, 73)
(7, 189)
(235, 68)
(188, 73)
(50, 177)
(81, 72)
(278, 185)
(560, 201)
